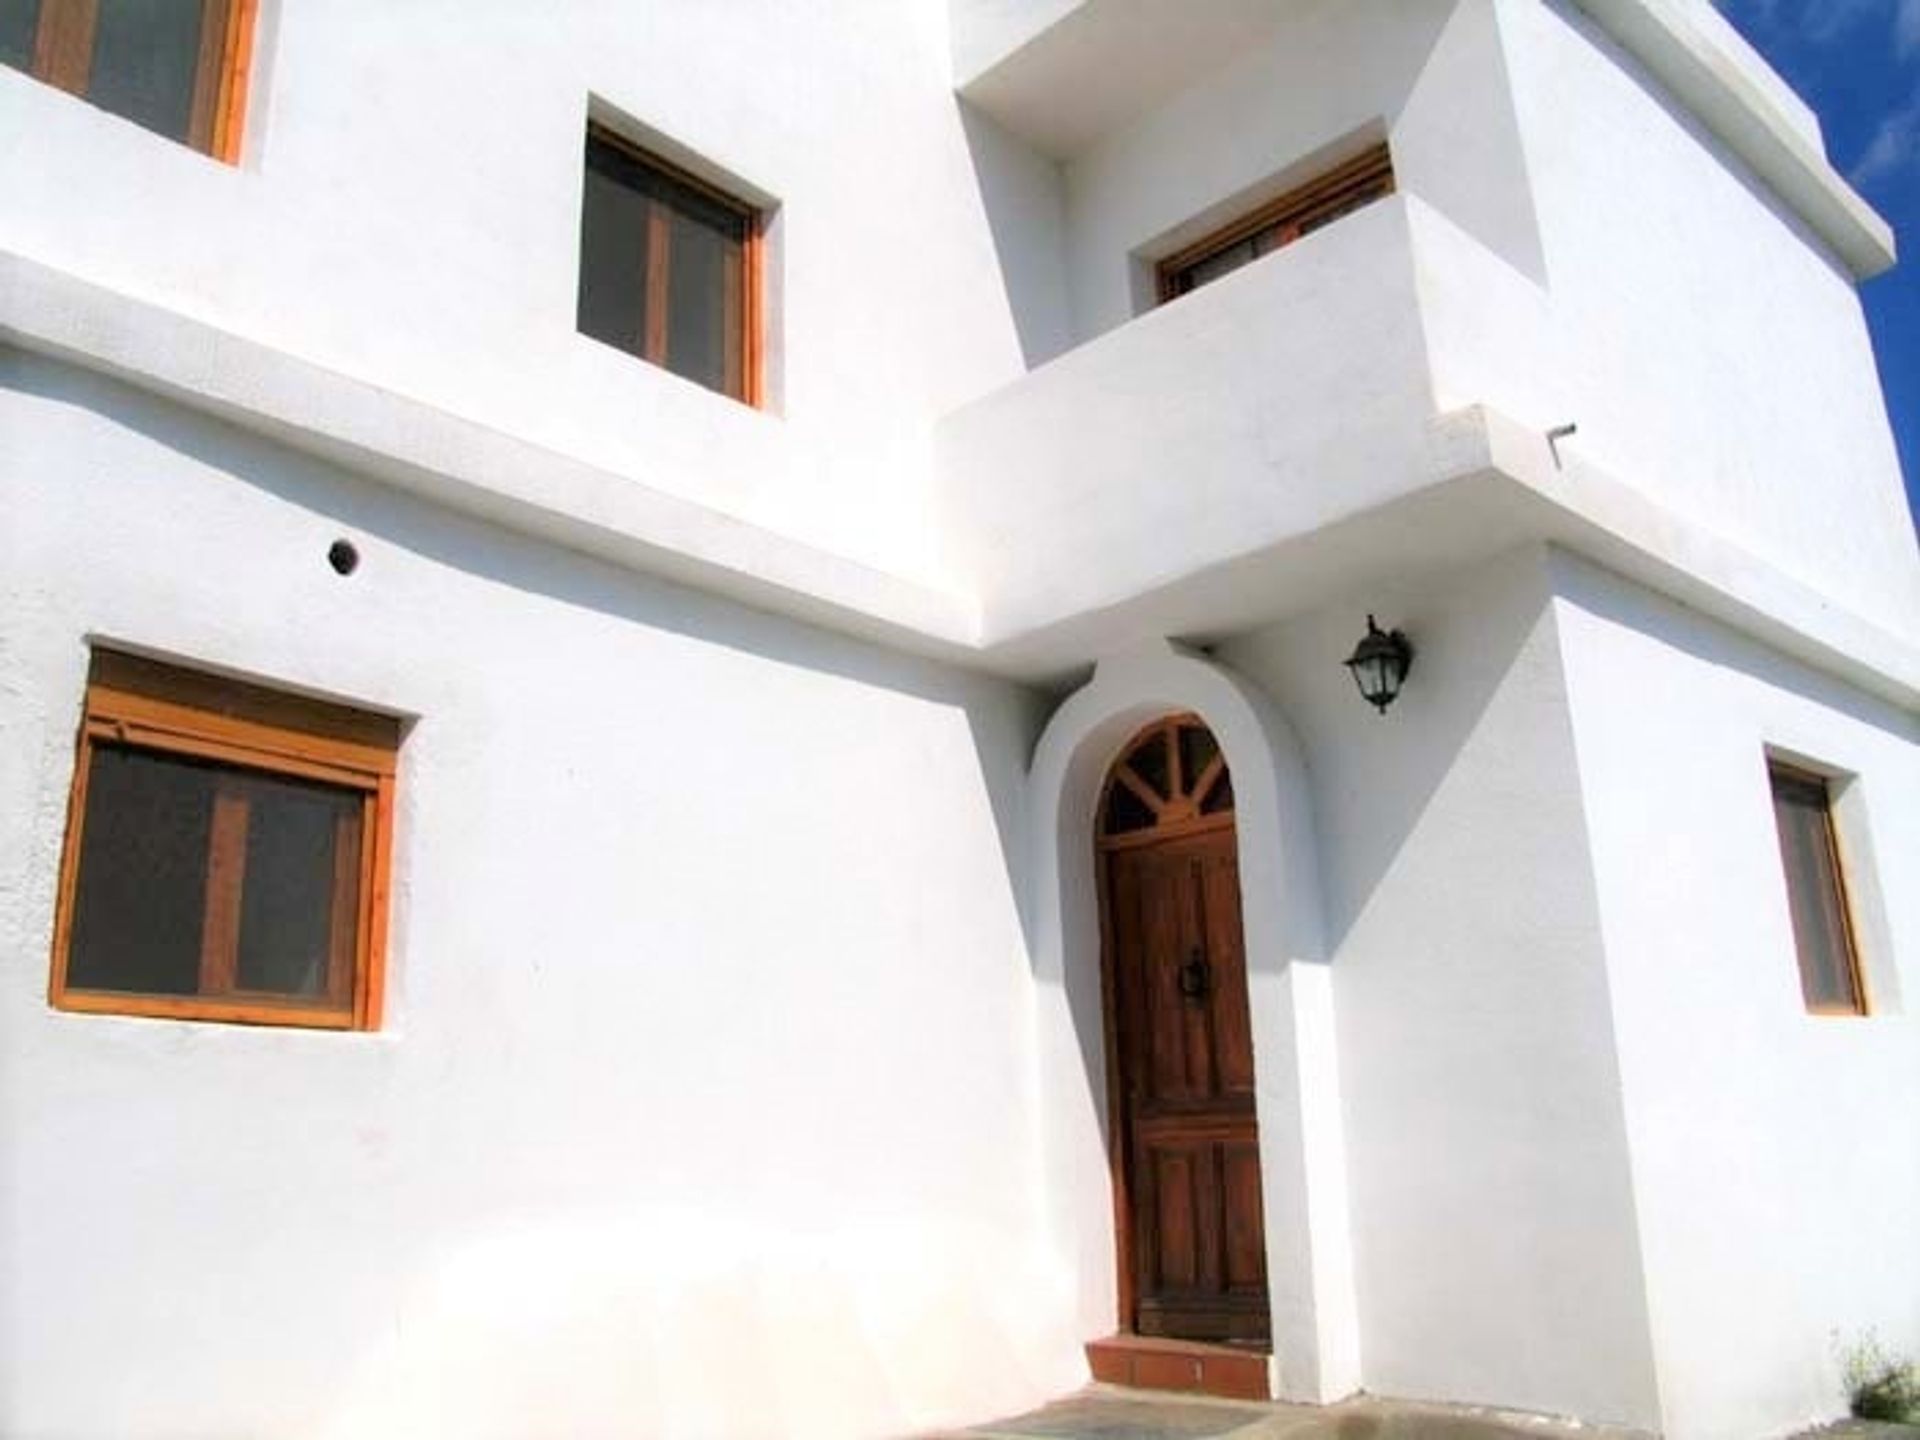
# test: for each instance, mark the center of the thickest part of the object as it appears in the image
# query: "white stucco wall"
(703, 1104)
(1776, 1162)
(1494, 1244)
(1712, 351)
(407, 211)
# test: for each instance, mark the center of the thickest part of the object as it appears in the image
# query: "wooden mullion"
(1209, 776)
(752, 324)
(1125, 775)
(1836, 902)
(235, 64)
(376, 882)
(70, 866)
(203, 116)
(225, 881)
(653, 343)
(63, 45)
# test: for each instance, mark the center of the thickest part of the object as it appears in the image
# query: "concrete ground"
(1107, 1413)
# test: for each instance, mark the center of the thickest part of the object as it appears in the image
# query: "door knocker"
(1195, 977)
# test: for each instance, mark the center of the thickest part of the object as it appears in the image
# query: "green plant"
(1880, 1386)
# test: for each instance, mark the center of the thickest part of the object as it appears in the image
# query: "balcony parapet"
(1260, 408)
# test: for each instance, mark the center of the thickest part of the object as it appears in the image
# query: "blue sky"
(1857, 62)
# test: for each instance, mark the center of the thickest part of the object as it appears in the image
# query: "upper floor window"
(1300, 212)
(226, 852)
(669, 268)
(1816, 893)
(178, 67)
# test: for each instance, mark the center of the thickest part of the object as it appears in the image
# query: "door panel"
(1185, 1051)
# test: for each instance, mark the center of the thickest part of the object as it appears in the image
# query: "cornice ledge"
(1583, 509)
(466, 466)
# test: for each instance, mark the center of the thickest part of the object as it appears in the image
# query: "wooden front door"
(1180, 1045)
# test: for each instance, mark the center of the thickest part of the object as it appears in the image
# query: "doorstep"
(1151, 1362)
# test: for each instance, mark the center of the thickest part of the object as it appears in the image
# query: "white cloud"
(1895, 145)
(1906, 29)
(1814, 22)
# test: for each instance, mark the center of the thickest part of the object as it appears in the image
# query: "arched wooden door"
(1180, 1043)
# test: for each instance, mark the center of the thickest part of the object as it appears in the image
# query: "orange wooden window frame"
(1790, 778)
(751, 333)
(63, 56)
(1363, 179)
(143, 705)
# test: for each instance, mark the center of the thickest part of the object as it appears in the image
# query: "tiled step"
(1146, 1362)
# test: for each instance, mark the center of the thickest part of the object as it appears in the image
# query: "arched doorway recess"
(1315, 1333)
(1179, 1042)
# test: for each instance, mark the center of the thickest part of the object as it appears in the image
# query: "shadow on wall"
(1373, 777)
(1004, 719)
(1023, 196)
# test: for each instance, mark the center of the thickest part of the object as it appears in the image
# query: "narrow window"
(177, 67)
(1298, 213)
(1816, 893)
(226, 852)
(669, 269)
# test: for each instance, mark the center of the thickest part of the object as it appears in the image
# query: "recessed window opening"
(226, 852)
(177, 67)
(1823, 930)
(670, 268)
(1278, 223)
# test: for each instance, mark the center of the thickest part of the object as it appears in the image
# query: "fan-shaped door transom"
(1171, 778)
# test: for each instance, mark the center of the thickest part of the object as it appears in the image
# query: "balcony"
(1258, 410)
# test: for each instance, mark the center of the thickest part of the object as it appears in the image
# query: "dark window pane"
(141, 895)
(1149, 762)
(145, 53)
(613, 252)
(1220, 798)
(19, 20)
(1125, 811)
(1224, 262)
(698, 318)
(1197, 749)
(1820, 932)
(662, 269)
(300, 840)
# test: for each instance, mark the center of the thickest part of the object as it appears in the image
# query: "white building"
(673, 959)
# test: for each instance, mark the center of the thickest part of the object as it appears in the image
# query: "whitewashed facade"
(741, 1066)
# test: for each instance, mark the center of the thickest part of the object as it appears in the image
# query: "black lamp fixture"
(1380, 663)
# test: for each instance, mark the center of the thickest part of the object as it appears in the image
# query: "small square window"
(669, 268)
(226, 852)
(177, 67)
(1280, 222)
(1816, 893)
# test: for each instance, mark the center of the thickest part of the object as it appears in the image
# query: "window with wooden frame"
(227, 852)
(178, 67)
(1823, 935)
(670, 268)
(1300, 212)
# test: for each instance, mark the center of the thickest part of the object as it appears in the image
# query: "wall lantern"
(1380, 663)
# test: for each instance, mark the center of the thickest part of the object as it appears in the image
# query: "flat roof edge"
(1717, 86)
